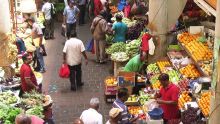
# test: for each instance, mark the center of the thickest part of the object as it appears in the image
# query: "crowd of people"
(73, 51)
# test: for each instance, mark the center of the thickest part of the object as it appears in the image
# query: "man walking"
(82, 8)
(48, 10)
(69, 17)
(72, 55)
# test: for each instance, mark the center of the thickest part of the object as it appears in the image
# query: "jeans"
(49, 28)
(100, 50)
(70, 28)
(40, 58)
(75, 76)
(82, 9)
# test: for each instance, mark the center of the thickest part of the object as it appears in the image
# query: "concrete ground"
(69, 105)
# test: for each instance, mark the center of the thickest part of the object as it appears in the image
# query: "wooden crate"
(128, 76)
(212, 3)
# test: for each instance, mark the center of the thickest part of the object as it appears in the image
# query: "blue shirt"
(120, 29)
(70, 14)
(125, 115)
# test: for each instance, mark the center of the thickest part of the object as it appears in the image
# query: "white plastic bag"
(151, 46)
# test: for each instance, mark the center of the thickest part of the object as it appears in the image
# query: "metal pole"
(215, 99)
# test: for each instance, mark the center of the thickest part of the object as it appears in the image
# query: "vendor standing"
(168, 98)
(120, 29)
(28, 79)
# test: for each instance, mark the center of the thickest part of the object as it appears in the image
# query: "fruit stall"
(189, 66)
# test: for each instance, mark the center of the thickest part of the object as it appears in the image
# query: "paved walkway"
(68, 104)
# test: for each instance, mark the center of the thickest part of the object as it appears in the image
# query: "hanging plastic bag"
(151, 46)
(90, 45)
(64, 71)
(127, 10)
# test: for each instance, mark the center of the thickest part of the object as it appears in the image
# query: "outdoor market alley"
(69, 105)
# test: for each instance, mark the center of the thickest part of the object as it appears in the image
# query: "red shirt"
(170, 93)
(26, 72)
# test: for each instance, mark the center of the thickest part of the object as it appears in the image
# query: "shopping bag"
(90, 45)
(64, 71)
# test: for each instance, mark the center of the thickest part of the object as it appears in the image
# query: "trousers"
(75, 76)
(49, 28)
(100, 50)
(82, 9)
(70, 28)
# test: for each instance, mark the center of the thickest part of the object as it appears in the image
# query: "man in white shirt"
(91, 116)
(72, 56)
(48, 10)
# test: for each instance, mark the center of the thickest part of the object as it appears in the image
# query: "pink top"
(36, 120)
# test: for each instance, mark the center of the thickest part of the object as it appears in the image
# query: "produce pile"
(132, 48)
(8, 98)
(174, 76)
(190, 116)
(153, 68)
(163, 64)
(184, 98)
(116, 47)
(119, 57)
(8, 113)
(204, 103)
(109, 38)
(135, 31)
(134, 110)
(190, 71)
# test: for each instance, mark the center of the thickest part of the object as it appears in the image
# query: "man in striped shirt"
(119, 103)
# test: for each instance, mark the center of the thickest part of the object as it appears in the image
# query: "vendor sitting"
(137, 63)
(168, 99)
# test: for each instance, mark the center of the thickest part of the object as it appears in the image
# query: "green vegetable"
(8, 98)
(132, 48)
(8, 113)
(119, 57)
(36, 110)
(116, 47)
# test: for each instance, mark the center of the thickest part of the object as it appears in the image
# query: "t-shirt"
(73, 49)
(36, 29)
(36, 120)
(170, 93)
(91, 116)
(26, 72)
(134, 65)
(120, 29)
(47, 10)
(70, 14)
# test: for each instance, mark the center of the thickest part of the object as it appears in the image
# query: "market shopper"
(120, 29)
(98, 7)
(26, 119)
(82, 8)
(120, 103)
(115, 116)
(137, 63)
(38, 40)
(70, 15)
(99, 28)
(72, 55)
(168, 98)
(91, 116)
(48, 10)
(28, 79)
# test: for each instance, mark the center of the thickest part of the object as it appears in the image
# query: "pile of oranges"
(204, 103)
(162, 65)
(198, 50)
(184, 98)
(134, 110)
(190, 71)
(156, 85)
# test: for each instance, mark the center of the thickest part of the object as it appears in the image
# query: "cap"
(114, 112)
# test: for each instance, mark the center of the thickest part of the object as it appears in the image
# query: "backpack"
(52, 11)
